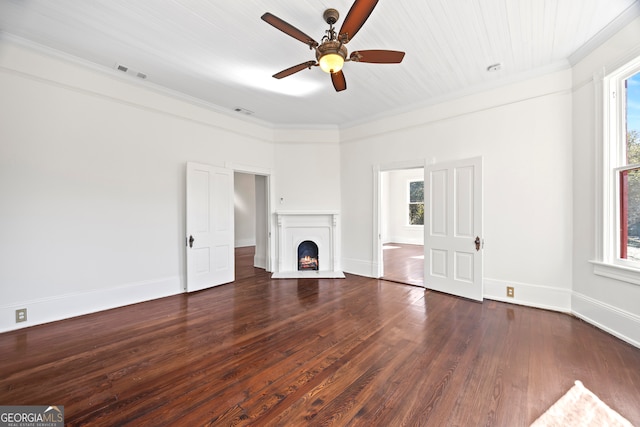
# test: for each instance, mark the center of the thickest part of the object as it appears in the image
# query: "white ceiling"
(222, 53)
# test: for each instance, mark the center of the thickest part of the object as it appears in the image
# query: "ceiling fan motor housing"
(331, 46)
(330, 16)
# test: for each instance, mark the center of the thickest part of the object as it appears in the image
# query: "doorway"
(453, 242)
(402, 225)
(251, 242)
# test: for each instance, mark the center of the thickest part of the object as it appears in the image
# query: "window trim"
(616, 271)
(609, 125)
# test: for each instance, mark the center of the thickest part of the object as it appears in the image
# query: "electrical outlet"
(510, 292)
(21, 315)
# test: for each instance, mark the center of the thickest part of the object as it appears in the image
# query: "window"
(416, 202)
(620, 251)
(629, 173)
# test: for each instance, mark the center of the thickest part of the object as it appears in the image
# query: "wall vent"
(130, 71)
(243, 111)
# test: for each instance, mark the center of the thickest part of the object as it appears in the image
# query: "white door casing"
(210, 232)
(453, 216)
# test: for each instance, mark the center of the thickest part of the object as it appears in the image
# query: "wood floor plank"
(345, 352)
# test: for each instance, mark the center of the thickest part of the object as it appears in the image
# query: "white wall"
(395, 209)
(308, 175)
(92, 183)
(523, 133)
(611, 304)
(244, 209)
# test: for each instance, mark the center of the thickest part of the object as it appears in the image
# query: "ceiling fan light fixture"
(331, 62)
(331, 56)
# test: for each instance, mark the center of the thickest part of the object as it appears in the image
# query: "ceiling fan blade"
(377, 56)
(356, 17)
(339, 82)
(294, 69)
(289, 29)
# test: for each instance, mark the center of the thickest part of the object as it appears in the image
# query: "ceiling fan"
(331, 52)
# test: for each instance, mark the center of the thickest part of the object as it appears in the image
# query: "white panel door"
(210, 237)
(453, 207)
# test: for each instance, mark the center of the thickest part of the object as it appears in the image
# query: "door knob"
(191, 240)
(477, 242)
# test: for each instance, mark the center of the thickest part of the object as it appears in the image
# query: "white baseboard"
(539, 296)
(60, 307)
(243, 243)
(617, 322)
(359, 267)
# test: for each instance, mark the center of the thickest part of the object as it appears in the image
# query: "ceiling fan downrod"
(330, 16)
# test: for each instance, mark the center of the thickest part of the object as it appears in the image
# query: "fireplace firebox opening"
(308, 256)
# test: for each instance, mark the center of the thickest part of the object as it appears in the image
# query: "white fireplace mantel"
(321, 227)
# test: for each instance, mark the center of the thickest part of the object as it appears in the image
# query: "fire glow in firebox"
(308, 256)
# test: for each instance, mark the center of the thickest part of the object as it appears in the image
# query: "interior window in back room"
(416, 202)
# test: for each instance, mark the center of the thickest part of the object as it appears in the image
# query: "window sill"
(617, 272)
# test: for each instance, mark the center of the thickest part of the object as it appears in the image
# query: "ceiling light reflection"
(297, 85)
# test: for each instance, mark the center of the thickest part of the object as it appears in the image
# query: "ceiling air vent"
(243, 111)
(130, 71)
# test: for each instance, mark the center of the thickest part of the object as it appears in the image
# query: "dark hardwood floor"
(355, 351)
(404, 263)
(244, 263)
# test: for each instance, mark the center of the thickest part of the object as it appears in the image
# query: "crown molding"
(621, 21)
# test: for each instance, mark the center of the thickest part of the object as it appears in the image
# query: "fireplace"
(307, 245)
(308, 256)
